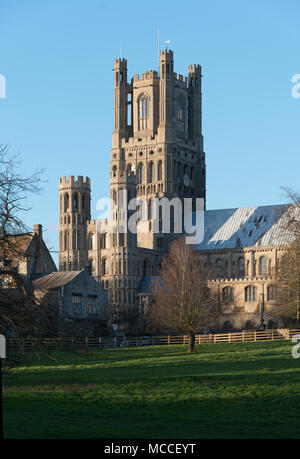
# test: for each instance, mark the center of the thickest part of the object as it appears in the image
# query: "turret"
(166, 90)
(120, 101)
(74, 213)
(195, 104)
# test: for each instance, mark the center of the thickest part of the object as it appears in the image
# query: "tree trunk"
(192, 344)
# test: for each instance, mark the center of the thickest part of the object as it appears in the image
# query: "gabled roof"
(55, 280)
(16, 245)
(246, 227)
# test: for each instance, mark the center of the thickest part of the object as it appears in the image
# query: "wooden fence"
(96, 343)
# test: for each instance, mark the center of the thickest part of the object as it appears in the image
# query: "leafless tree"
(17, 301)
(184, 303)
(288, 279)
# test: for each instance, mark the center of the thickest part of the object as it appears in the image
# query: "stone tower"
(157, 152)
(74, 213)
(158, 135)
(119, 257)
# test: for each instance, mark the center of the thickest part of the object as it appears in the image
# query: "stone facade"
(80, 301)
(28, 255)
(157, 152)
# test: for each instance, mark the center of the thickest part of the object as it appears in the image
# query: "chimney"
(38, 230)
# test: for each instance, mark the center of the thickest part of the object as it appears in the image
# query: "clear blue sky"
(57, 57)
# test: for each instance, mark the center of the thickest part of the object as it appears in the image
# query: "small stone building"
(81, 302)
(27, 255)
(67, 298)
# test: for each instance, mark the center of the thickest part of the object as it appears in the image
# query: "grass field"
(244, 390)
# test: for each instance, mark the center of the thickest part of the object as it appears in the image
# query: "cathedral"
(157, 152)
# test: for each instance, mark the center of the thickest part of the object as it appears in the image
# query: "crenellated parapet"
(72, 182)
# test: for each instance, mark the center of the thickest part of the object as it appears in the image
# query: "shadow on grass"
(38, 416)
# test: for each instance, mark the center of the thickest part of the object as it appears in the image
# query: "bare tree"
(184, 302)
(288, 278)
(17, 299)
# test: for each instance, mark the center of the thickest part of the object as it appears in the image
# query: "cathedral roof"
(246, 227)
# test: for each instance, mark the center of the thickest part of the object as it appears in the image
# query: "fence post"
(254, 335)
(168, 339)
(229, 337)
(214, 338)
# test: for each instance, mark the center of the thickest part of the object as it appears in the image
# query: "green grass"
(249, 390)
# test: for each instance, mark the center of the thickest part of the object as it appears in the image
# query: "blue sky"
(57, 58)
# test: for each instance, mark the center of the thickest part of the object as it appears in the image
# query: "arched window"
(151, 172)
(66, 202)
(241, 267)
(83, 201)
(104, 241)
(114, 171)
(143, 112)
(141, 173)
(272, 292)
(180, 115)
(250, 293)
(76, 240)
(105, 267)
(227, 295)
(92, 241)
(75, 201)
(92, 264)
(263, 266)
(159, 170)
(114, 198)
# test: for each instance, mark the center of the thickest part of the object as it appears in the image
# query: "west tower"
(74, 213)
(158, 135)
